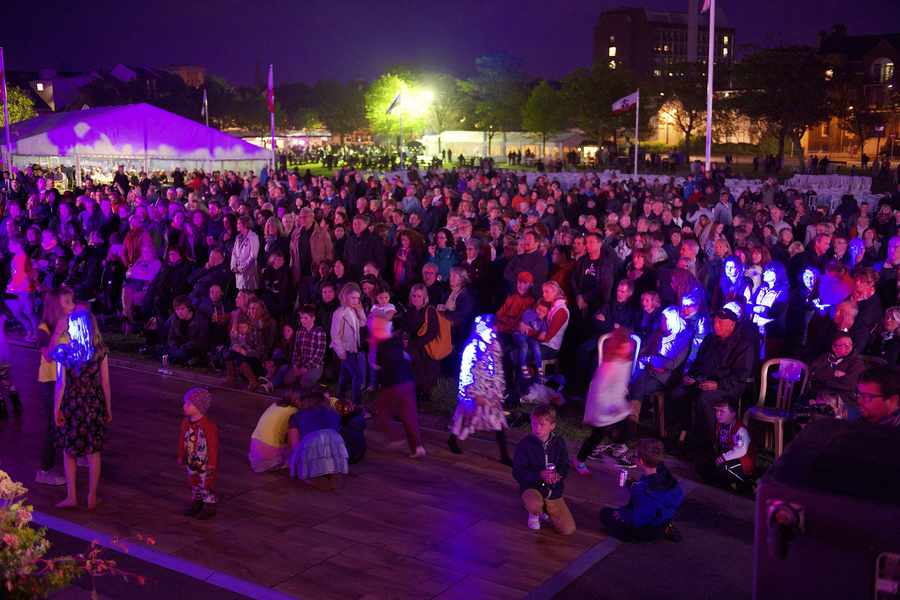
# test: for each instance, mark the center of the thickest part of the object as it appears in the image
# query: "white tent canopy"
(140, 136)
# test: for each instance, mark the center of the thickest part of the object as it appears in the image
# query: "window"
(666, 48)
(657, 72)
(612, 64)
(829, 74)
(883, 70)
(39, 86)
(724, 51)
(612, 51)
(725, 40)
(612, 40)
(825, 129)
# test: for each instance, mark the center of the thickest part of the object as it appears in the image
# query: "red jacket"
(510, 314)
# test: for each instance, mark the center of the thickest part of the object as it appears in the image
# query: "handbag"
(441, 346)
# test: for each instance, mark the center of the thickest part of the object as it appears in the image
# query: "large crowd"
(286, 281)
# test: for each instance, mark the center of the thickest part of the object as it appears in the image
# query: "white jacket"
(243, 261)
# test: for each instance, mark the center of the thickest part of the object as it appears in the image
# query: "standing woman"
(347, 324)
(244, 256)
(482, 386)
(421, 324)
(58, 305)
(82, 403)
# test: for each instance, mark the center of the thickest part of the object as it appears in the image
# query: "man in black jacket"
(722, 369)
(214, 272)
(530, 261)
(593, 275)
(362, 247)
(188, 333)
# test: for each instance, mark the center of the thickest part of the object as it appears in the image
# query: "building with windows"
(650, 43)
(863, 73)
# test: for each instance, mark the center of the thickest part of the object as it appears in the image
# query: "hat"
(724, 313)
(199, 397)
(525, 276)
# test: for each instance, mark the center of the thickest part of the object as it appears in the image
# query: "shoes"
(617, 450)
(506, 460)
(534, 522)
(266, 387)
(581, 468)
(194, 509)
(16, 401)
(419, 453)
(453, 444)
(31, 338)
(626, 461)
(671, 533)
(49, 478)
(207, 511)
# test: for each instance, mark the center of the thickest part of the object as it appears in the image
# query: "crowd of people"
(386, 283)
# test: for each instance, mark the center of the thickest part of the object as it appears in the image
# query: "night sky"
(310, 40)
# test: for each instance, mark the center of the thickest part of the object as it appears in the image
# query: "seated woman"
(885, 341)
(317, 448)
(833, 376)
(769, 309)
(269, 449)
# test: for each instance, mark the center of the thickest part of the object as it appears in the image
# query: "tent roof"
(132, 130)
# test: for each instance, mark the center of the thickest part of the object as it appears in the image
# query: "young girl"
(606, 407)
(317, 449)
(269, 449)
(346, 339)
(21, 285)
(383, 306)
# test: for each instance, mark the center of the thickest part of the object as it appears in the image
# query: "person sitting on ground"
(244, 356)
(733, 458)
(317, 449)
(308, 357)
(878, 395)
(188, 334)
(269, 449)
(653, 501)
(540, 467)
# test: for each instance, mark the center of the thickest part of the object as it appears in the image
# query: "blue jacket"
(654, 500)
(533, 456)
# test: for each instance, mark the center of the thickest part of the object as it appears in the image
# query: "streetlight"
(413, 103)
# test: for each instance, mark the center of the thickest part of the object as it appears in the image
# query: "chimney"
(693, 18)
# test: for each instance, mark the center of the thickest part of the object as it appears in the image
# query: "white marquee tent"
(140, 136)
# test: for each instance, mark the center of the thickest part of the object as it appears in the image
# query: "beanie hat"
(199, 397)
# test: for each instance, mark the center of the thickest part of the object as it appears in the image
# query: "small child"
(269, 449)
(198, 450)
(540, 468)
(280, 363)
(734, 453)
(383, 306)
(652, 503)
(317, 449)
(534, 319)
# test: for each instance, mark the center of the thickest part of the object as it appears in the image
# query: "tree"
(495, 95)
(588, 96)
(849, 104)
(685, 105)
(21, 107)
(341, 107)
(784, 86)
(408, 114)
(543, 113)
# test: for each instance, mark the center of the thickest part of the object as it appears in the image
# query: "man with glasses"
(878, 395)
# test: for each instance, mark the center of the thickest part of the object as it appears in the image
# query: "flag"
(2, 79)
(626, 103)
(706, 4)
(270, 94)
(204, 110)
(394, 103)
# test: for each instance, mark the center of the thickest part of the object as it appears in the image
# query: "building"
(192, 75)
(863, 70)
(650, 42)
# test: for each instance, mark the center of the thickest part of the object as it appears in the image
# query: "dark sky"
(344, 39)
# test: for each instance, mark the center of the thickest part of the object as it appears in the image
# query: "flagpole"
(637, 123)
(205, 107)
(710, 61)
(272, 112)
(6, 125)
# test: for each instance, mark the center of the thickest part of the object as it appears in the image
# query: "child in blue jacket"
(653, 501)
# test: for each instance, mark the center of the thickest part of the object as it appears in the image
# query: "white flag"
(706, 4)
(626, 103)
(204, 110)
(394, 103)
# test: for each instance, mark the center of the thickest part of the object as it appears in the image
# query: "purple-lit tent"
(140, 136)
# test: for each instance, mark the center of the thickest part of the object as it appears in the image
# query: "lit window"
(612, 64)
(612, 40)
(724, 51)
(883, 70)
(825, 130)
(829, 74)
(657, 72)
(39, 86)
(612, 51)
(725, 40)
(670, 73)
(666, 48)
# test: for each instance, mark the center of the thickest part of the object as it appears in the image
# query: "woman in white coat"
(244, 256)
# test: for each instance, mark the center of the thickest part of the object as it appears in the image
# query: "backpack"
(441, 346)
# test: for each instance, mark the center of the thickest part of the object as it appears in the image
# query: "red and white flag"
(626, 103)
(270, 94)
(706, 4)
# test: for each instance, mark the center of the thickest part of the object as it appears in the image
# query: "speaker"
(828, 516)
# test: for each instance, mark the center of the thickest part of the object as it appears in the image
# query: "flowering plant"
(25, 573)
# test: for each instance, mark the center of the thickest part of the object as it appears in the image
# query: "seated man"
(878, 395)
(833, 376)
(652, 501)
(188, 336)
(722, 369)
(214, 272)
(217, 314)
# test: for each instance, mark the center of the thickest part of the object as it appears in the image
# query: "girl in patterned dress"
(482, 387)
(82, 404)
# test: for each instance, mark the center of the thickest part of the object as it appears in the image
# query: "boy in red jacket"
(198, 450)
